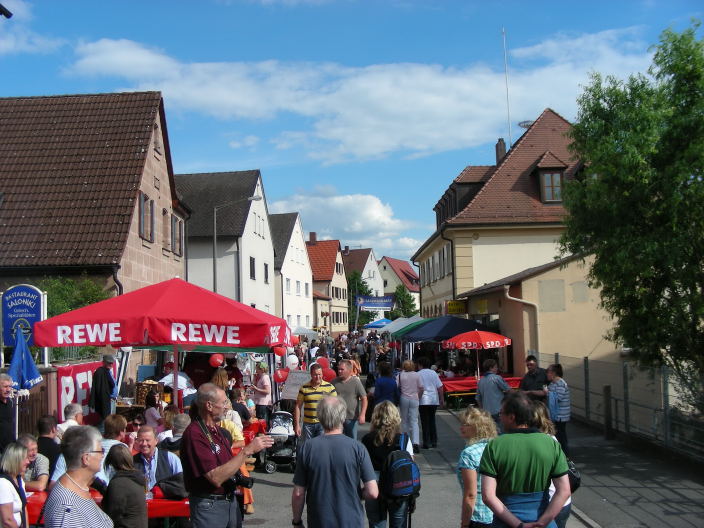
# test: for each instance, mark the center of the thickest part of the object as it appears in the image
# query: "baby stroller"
(283, 451)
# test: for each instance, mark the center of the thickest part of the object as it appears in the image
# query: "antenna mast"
(508, 104)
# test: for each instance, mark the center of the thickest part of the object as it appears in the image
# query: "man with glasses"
(535, 380)
(209, 465)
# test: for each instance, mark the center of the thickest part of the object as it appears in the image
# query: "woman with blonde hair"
(477, 427)
(221, 380)
(385, 436)
(13, 501)
(411, 388)
(543, 423)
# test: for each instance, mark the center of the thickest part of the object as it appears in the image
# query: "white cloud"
(248, 142)
(16, 37)
(357, 220)
(358, 113)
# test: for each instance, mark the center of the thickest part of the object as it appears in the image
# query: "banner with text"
(74, 383)
(375, 304)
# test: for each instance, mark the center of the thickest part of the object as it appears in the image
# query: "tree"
(64, 294)
(356, 285)
(639, 207)
(405, 304)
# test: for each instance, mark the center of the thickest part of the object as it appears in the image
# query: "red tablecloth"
(155, 507)
(469, 383)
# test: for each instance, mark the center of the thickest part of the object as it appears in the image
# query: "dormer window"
(551, 187)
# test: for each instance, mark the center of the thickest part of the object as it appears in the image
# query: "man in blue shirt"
(491, 390)
(155, 465)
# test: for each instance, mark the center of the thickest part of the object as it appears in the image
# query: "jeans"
(349, 428)
(561, 519)
(308, 431)
(561, 435)
(208, 513)
(409, 418)
(427, 421)
(379, 509)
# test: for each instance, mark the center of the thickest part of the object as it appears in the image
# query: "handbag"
(574, 475)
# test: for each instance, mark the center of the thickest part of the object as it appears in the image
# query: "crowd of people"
(512, 472)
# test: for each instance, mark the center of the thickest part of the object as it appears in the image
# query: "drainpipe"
(537, 322)
(120, 288)
(452, 260)
(238, 270)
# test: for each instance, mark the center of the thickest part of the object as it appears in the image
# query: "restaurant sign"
(456, 307)
(22, 306)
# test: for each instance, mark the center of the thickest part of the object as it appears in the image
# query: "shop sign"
(456, 307)
(22, 306)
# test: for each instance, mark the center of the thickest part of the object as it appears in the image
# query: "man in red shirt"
(208, 463)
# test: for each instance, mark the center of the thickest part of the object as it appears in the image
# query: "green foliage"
(639, 207)
(405, 305)
(65, 294)
(356, 285)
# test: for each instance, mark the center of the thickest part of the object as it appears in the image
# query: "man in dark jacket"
(104, 390)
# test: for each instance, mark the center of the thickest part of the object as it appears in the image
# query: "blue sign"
(21, 308)
(375, 304)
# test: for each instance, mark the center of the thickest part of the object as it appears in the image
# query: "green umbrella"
(403, 331)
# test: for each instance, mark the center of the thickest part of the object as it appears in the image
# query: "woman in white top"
(13, 502)
(411, 387)
(433, 395)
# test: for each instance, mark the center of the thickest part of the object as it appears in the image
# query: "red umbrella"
(477, 339)
(173, 312)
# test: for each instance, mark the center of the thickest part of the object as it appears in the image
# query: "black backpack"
(400, 476)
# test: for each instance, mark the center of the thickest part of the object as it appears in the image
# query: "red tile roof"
(511, 195)
(475, 173)
(356, 259)
(70, 171)
(318, 295)
(405, 273)
(323, 255)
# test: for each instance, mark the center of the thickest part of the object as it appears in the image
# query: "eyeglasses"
(101, 451)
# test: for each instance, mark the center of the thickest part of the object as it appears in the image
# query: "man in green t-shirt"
(517, 469)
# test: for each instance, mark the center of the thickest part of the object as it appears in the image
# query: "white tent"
(401, 322)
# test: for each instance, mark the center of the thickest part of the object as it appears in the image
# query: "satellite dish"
(525, 124)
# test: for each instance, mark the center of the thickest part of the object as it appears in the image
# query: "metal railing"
(635, 402)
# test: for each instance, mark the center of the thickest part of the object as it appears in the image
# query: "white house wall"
(372, 276)
(200, 264)
(257, 244)
(297, 282)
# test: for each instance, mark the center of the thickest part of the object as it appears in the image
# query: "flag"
(23, 371)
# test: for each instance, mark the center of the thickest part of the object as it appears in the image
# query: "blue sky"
(359, 113)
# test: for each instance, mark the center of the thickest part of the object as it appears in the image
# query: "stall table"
(156, 508)
(464, 388)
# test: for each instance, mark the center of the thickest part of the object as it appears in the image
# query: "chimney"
(500, 150)
(312, 238)
(347, 251)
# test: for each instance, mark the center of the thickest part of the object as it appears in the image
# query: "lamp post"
(254, 198)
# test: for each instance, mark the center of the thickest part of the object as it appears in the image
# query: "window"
(386, 283)
(551, 186)
(307, 321)
(298, 320)
(157, 139)
(252, 268)
(266, 273)
(165, 225)
(288, 320)
(307, 291)
(176, 235)
(288, 285)
(298, 287)
(146, 218)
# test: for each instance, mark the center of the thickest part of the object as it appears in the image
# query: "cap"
(109, 358)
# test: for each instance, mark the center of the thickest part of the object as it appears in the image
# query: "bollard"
(608, 420)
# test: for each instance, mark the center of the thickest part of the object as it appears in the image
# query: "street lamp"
(254, 198)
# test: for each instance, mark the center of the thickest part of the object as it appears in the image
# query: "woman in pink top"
(411, 388)
(262, 392)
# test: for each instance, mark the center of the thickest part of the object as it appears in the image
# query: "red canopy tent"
(173, 312)
(475, 340)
